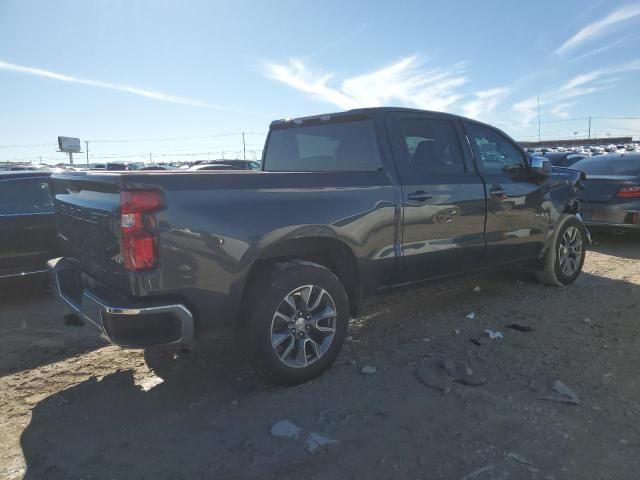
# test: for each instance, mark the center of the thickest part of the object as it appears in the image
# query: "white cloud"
(406, 82)
(38, 72)
(578, 86)
(560, 110)
(526, 109)
(597, 28)
(591, 53)
(484, 102)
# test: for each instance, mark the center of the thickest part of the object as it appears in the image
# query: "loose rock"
(368, 370)
(285, 429)
(434, 377)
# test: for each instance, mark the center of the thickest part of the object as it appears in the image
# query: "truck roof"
(370, 112)
(11, 174)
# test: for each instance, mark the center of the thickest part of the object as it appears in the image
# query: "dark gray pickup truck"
(347, 205)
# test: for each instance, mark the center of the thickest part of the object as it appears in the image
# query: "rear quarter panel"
(217, 224)
(210, 236)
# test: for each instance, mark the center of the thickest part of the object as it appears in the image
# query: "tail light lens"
(139, 249)
(630, 191)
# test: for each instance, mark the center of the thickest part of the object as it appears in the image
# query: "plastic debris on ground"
(565, 394)
(493, 334)
(313, 441)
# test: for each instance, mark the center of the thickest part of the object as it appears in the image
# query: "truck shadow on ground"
(626, 245)
(211, 416)
(32, 331)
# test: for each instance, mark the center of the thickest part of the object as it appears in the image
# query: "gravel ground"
(72, 407)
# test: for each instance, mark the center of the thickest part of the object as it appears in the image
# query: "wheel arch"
(329, 252)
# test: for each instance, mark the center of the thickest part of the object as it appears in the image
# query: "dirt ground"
(72, 407)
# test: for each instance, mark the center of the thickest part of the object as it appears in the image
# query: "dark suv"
(27, 224)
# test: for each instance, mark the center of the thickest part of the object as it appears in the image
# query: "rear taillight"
(629, 191)
(139, 250)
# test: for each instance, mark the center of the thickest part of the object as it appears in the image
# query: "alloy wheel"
(570, 251)
(303, 326)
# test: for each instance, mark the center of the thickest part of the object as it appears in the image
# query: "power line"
(167, 139)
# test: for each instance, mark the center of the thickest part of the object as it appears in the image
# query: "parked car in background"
(27, 224)
(563, 159)
(228, 165)
(124, 166)
(611, 195)
(156, 167)
(347, 205)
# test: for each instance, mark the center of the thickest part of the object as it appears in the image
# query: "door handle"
(419, 196)
(498, 192)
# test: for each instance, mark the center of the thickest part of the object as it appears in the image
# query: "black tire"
(267, 292)
(552, 272)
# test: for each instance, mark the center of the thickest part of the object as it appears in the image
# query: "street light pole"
(538, 118)
(86, 143)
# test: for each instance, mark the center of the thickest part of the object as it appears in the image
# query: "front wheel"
(564, 259)
(297, 321)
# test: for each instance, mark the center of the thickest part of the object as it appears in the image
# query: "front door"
(443, 198)
(517, 221)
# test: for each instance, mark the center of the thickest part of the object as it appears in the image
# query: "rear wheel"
(565, 258)
(297, 321)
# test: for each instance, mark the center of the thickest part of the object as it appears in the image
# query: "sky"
(173, 80)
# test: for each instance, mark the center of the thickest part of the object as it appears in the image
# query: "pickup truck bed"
(382, 198)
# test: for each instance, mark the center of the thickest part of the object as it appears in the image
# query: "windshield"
(609, 166)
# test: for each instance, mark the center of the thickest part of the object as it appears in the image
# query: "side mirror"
(541, 166)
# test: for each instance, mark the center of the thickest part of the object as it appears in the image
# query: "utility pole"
(589, 128)
(538, 118)
(150, 158)
(244, 148)
(86, 143)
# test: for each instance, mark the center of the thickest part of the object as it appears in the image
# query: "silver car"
(611, 195)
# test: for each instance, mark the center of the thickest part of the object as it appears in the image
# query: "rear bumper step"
(121, 321)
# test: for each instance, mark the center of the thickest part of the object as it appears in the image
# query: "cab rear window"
(326, 147)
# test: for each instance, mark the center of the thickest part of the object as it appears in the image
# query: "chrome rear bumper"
(121, 321)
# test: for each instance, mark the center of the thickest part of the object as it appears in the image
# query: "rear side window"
(344, 146)
(497, 153)
(25, 196)
(432, 145)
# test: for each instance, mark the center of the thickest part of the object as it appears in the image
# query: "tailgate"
(87, 211)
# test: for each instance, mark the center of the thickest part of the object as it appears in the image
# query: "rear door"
(27, 226)
(443, 198)
(517, 220)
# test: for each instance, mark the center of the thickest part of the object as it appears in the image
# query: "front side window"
(25, 196)
(432, 145)
(326, 147)
(497, 153)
